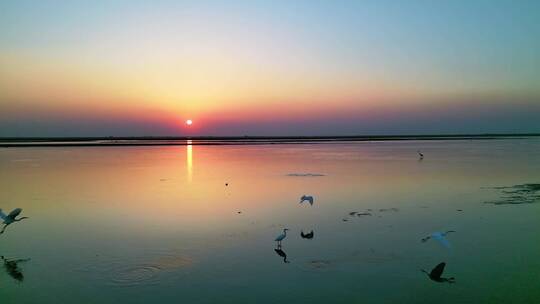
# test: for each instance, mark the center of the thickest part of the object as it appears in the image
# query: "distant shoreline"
(7, 142)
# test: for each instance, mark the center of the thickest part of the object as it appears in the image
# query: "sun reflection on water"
(189, 160)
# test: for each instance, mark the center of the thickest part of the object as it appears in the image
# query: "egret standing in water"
(281, 237)
(11, 218)
(435, 274)
(308, 198)
(439, 236)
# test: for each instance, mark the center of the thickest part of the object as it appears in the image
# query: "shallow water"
(141, 224)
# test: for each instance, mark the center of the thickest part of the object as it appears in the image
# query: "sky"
(141, 68)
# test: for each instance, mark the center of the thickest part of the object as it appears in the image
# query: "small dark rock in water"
(239, 212)
(459, 210)
(226, 184)
(345, 220)
(353, 212)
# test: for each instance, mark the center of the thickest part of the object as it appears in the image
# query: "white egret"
(308, 198)
(281, 237)
(436, 273)
(440, 237)
(11, 218)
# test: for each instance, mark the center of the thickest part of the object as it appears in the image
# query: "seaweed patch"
(517, 194)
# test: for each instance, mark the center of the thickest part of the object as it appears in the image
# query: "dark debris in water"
(517, 194)
(389, 209)
(357, 214)
(319, 263)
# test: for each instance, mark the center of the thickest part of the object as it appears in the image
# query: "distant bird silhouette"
(282, 254)
(306, 235)
(420, 154)
(11, 218)
(12, 268)
(436, 273)
(281, 237)
(308, 198)
(440, 237)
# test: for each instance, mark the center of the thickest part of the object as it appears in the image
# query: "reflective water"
(147, 224)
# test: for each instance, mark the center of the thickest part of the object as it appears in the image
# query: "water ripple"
(135, 275)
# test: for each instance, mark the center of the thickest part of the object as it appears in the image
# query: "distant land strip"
(7, 142)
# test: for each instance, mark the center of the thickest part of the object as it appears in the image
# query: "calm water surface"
(150, 224)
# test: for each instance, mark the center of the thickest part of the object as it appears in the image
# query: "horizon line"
(8, 142)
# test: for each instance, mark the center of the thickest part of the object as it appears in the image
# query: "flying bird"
(440, 237)
(281, 237)
(307, 235)
(11, 218)
(308, 198)
(282, 254)
(436, 273)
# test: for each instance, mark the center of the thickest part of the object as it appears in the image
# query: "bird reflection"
(435, 274)
(282, 254)
(307, 198)
(12, 268)
(11, 218)
(307, 235)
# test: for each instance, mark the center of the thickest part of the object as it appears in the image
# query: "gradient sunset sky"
(105, 68)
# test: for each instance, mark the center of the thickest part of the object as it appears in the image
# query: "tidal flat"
(197, 223)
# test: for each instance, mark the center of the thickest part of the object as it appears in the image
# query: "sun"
(189, 122)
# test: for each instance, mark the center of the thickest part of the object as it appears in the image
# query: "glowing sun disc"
(189, 122)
